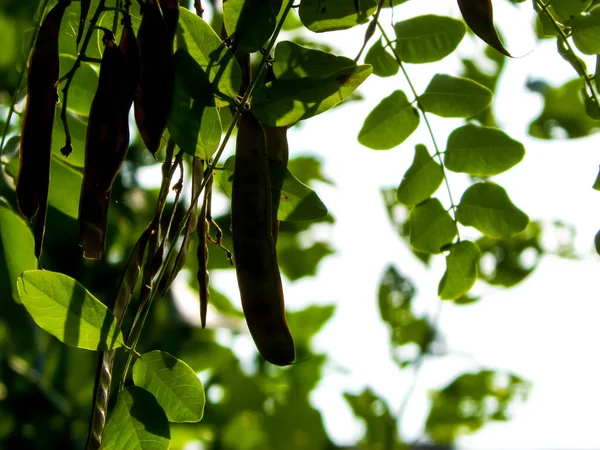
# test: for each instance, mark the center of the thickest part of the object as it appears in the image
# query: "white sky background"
(545, 329)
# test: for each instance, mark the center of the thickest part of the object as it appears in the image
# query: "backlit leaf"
(586, 32)
(431, 227)
(481, 151)
(461, 270)
(487, 207)
(65, 309)
(449, 96)
(285, 102)
(136, 422)
(173, 383)
(384, 64)
(319, 16)
(390, 123)
(421, 180)
(428, 38)
(249, 23)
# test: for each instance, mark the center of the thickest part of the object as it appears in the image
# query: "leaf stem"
(438, 153)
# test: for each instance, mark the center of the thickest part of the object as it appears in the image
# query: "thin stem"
(580, 69)
(11, 110)
(438, 153)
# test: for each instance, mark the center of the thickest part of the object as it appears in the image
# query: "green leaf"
(586, 32)
(197, 37)
(293, 61)
(596, 184)
(431, 227)
(487, 207)
(306, 323)
(194, 122)
(78, 130)
(390, 123)
(421, 180)
(381, 425)
(173, 383)
(565, 9)
(461, 270)
(564, 111)
(597, 242)
(250, 23)
(449, 96)
(481, 151)
(384, 64)
(16, 249)
(285, 102)
(298, 201)
(428, 38)
(65, 184)
(137, 422)
(65, 309)
(319, 16)
(82, 88)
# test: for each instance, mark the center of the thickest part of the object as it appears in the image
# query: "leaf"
(479, 15)
(481, 151)
(298, 201)
(16, 249)
(586, 32)
(390, 123)
(293, 61)
(431, 227)
(596, 184)
(564, 112)
(77, 129)
(64, 308)
(567, 9)
(284, 102)
(249, 23)
(428, 38)
(449, 96)
(306, 323)
(421, 180)
(137, 422)
(319, 16)
(381, 426)
(196, 37)
(384, 64)
(194, 122)
(487, 207)
(461, 270)
(82, 88)
(173, 383)
(597, 242)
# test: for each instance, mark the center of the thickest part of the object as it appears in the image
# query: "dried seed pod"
(154, 94)
(202, 231)
(36, 136)
(278, 154)
(257, 270)
(107, 139)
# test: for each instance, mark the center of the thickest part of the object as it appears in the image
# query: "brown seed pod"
(107, 139)
(257, 270)
(154, 94)
(36, 136)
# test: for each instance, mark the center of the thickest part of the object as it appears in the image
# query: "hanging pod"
(38, 120)
(154, 94)
(107, 139)
(256, 265)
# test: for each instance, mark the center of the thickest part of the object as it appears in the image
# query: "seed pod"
(257, 270)
(277, 153)
(154, 95)
(107, 139)
(479, 15)
(202, 251)
(36, 136)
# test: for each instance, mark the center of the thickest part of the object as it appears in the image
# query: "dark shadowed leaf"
(586, 31)
(249, 23)
(479, 15)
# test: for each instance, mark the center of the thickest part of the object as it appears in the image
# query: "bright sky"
(544, 330)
